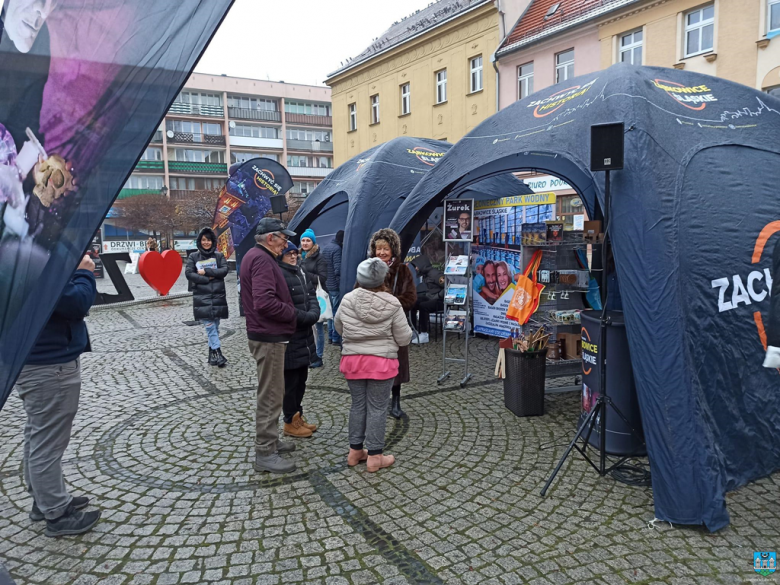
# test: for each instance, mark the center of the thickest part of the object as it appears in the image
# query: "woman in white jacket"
(373, 326)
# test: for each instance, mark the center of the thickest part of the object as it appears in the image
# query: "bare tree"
(196, 209)
(150, 212)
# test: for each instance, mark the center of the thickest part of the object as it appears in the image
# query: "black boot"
(221, 359)
(213, 360)
(395, 407)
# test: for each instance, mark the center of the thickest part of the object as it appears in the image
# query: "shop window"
(699, 30)
(631, 47)
(525, 80)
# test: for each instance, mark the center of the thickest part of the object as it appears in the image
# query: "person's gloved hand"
(477, 283)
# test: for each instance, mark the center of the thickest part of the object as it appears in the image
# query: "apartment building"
(217, 120)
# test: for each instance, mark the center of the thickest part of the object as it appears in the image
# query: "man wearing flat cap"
(270, 324)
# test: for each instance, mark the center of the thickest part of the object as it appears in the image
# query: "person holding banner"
(206, 271)
(316, 268)
(301, 350)
(386, 245)
(49, 386)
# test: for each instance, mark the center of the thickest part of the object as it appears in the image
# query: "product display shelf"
(556, 256)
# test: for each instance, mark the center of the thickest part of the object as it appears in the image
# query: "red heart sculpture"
(160, 271)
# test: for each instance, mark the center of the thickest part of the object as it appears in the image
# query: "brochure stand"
(457, 314)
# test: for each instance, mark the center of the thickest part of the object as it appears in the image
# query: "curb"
(141, 302)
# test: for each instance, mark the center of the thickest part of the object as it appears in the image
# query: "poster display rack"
(457, 310)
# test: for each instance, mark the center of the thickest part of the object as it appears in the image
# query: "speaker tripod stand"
(598, 413)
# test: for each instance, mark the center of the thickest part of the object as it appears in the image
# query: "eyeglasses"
(284, 238)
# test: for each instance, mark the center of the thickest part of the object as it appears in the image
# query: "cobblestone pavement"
(163, 444)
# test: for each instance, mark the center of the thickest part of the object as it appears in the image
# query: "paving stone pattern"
(164, 445)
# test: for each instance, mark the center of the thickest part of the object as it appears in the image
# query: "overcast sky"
(298, 41)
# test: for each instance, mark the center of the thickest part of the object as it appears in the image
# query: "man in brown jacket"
(270, 324)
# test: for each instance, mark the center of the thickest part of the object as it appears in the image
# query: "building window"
(197, 129)
(476, 74)
(307, 109)
(152, 153)
(254, 131)
(198, 156)
(297, 160)
(631, 48)
(247, 103)
(406, 99)
(303, 188)
(564, 66)
(375, 109)
(199, 99)
(699, 30)
(775, 91)
(352, 117)
(151, 182)
(308, 135)
(525, 80)
(196, 184)
(237, 156)
(441, 86)
(774, 16)
(323, 162)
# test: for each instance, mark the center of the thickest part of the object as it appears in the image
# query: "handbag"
(525, 301)
(326, 310)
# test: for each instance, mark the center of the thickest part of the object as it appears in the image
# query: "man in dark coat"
(301, 349)
(206, 271)
(49, 386)
(332, 253)
(429, 301)
(270, 325)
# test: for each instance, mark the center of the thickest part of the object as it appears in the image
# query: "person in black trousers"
(301, 350)
(429, 301)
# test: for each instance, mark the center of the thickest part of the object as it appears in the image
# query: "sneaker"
(273, 463)
(72, 522)
(78, 503)
(421, 338)
(285, 447)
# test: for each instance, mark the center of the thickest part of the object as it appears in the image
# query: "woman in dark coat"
(386, 245)
(301, 350)
(316, 268)
(206, 271)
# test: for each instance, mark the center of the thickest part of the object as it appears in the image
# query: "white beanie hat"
(371, 273)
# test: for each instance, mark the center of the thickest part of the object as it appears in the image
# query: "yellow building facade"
(731, 39)
(398, 92)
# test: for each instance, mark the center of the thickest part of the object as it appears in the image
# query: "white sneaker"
(421, 338)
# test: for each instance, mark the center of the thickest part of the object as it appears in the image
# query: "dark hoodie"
(209, 299)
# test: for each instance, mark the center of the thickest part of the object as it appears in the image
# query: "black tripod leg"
(587, 423)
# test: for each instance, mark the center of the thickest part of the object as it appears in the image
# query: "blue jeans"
(320, 339)
(335, 301)
(212, 330)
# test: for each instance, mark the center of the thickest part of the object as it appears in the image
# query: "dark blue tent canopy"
(692, 215)
(363, 194)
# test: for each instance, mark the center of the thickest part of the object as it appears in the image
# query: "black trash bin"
(524, 381)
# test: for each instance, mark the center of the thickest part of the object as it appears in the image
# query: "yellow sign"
(517, 201)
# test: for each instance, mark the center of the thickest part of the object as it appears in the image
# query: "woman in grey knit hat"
(373, 326)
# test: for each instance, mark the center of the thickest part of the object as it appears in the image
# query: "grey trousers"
(270, 393)
(50, 395)
(368, 415)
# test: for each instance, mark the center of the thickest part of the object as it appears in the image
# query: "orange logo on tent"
(758, 250)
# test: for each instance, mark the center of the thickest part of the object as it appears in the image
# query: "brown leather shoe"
(306, 425)
(356, 456)
(377, 462)
(296, 428)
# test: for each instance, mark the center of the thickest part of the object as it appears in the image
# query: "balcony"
(181, 109)
(309, 120)
(315, 146)
(315, 172)
(149, 165)
(257, 115)
(190, 138)
(197, 168)
(125, 193)
(275, 143)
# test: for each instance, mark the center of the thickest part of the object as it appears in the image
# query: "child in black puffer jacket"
(301, 350)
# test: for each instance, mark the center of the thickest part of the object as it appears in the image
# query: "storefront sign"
(517, 201)
(546, 183)
(109, 247)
